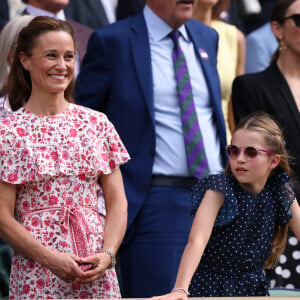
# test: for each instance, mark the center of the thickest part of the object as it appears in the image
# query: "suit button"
(152, 152)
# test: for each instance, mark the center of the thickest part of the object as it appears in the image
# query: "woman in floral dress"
(58, 162)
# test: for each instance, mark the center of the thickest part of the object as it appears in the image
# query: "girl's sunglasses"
(251, 152)
(295, 17)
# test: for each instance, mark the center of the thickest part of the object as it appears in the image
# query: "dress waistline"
(71, 220)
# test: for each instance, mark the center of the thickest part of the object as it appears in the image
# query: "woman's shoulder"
(91, 118)
(14, 121)
(261, 78)
(222, 26)
(79, 141)
(88, 113)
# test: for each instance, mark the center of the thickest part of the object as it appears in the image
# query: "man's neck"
(37, 11)
(48, 6)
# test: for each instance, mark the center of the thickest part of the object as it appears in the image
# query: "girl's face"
(51, 65)
(251, 172)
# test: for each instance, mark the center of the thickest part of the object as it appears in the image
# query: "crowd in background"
(251, 64)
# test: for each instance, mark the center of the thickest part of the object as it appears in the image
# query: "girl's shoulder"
(223, 183)
(218, 182)
(283, 193)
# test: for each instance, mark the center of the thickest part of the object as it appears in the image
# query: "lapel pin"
(203, 53)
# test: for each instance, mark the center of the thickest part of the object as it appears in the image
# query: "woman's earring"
(282, 46)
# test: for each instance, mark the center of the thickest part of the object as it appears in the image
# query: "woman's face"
(289, 31)
(51, 65)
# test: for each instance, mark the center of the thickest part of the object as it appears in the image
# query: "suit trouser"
(150, 260)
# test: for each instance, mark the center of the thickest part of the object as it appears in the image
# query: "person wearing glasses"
(241, 217)
(276, 91)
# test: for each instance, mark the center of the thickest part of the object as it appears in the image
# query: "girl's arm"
(295, 221)
(199, 236)
(62, 265)
(115, 224)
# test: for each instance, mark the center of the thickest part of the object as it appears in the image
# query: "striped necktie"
(195, 152)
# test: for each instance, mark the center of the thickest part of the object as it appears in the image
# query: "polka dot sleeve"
(222, 183)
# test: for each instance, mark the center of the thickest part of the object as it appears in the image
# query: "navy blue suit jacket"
(116, 78)
(4, 13)
(91, 13)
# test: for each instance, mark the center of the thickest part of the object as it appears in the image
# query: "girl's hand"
(101, 262)
(175, 295)
(64, 265)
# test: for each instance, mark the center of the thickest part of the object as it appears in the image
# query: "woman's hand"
(103, 261)
(64, 265)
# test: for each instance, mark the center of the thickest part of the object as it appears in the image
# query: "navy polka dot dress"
(232, 263)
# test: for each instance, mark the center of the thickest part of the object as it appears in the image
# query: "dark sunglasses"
(251, 152)
(295, 17)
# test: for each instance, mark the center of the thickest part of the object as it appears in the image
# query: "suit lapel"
(205, 54)
(140, 50)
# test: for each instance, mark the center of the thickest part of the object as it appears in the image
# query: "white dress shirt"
(170, 156)
(110, 7)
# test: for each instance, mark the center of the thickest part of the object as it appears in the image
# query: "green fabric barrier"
(284, 292)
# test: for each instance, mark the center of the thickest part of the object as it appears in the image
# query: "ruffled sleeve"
(79, 142)
(222, 183)
(284, 194)
(114, 152)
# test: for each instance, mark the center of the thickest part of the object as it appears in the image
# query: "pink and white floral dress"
(56, 162)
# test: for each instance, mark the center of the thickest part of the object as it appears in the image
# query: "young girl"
(241, 217)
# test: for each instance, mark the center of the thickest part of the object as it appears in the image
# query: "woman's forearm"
(115, 227)
(116, 210)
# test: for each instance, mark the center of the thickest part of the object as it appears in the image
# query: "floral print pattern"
(56, 162)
